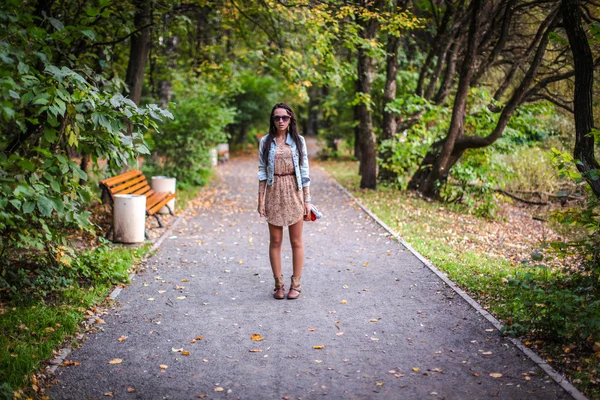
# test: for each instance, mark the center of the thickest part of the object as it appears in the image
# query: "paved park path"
(389, 328)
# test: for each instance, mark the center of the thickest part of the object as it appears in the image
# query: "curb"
(560, 379)
(65, 351)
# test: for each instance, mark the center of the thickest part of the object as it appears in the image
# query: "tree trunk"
(443, 155)
(436, 43)
(448, 79)
(428, 185)
(139, 49)
(314, 101)
(389, 95)
(366, 136)
(584, 83)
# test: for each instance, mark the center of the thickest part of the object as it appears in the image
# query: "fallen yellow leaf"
(379, 383)
(122, 338)
(344, 302)
(318, 347)
(185, 280)
(416, 369)
(373, 320)
(185, 353)
(198, 337)
(496, 375)
(67, 363)
(255, 351)
(163, 366)
(219, 389)
(256, 337)
(109, 394)
(115, 361)
(366, 264)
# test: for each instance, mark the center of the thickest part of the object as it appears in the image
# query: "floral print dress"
(284, 203)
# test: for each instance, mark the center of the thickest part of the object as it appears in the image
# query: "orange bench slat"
(162, 203)
(121, 189)
(115, 180)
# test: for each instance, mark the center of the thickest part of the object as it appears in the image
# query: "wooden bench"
(134, 182)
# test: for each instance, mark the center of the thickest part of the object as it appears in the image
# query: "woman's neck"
(280, 134)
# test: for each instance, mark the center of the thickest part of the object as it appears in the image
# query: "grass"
(554, 315)
(33, 328)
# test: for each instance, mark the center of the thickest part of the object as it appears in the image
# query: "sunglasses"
(284, 118)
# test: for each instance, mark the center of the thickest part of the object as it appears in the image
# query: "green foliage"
(200, 117)
(401, 155)
(472, 182)
(50, 110)
(565, 309)
(91, 267)
(33, 328)
(253, 100)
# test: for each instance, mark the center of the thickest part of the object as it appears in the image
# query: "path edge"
(64, 352)
(560, 379)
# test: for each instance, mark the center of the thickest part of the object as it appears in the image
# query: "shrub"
(183, 144)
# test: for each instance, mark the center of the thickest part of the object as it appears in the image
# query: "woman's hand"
(261, 209)
(307, 211)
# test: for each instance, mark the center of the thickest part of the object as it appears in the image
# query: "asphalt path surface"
(372, 322)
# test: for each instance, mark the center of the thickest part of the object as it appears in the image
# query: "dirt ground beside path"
(372, 321)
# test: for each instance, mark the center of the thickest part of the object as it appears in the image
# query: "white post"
(129, 218)
(164, 184)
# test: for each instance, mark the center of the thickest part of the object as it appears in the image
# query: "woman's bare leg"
(297, 247)
(276, 237)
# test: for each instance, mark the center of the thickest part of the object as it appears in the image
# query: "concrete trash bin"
(165, 184)
(129, 218)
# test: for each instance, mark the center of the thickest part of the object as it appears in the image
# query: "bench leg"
(160, 225)
(169, 208)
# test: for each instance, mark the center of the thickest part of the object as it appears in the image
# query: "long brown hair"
(293, 130)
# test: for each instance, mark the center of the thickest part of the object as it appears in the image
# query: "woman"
(283, 192)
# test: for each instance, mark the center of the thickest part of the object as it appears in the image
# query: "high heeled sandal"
(279, 288)
(295, 288)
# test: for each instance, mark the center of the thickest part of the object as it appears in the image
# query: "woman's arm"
(304, 170)
(261, 198)
(262, 164)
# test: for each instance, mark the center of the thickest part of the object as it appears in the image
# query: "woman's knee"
(275, 243)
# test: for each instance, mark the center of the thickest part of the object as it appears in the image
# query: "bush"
(183, 144)
(49, 112)
(104, 265)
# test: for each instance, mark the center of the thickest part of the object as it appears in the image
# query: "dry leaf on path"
(318, 347)
(122, 339)
(256, 337)
(255, 351)
(496, 375)
(163, 366)
(115, 361)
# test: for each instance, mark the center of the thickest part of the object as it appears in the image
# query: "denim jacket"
(265, 170)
